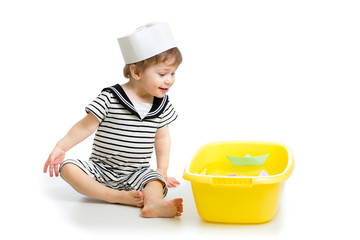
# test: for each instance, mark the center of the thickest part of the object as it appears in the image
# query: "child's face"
(157, 79)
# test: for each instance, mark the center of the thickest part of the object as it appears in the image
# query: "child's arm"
(162, 149)
(80, 131)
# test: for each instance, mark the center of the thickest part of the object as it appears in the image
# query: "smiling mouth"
(164, 89)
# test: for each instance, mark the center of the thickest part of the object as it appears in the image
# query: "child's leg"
(86, 185)
(156, 206)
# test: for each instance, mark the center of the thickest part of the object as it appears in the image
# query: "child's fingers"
(45, 167)
(48, 162)
(172, 182)
(56, 170)
(51, 169)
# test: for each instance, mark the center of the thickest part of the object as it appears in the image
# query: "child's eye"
(162, 74)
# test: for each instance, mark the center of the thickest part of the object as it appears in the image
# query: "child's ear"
(134, 72)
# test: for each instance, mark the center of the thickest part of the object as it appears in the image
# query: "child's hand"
(55, 159)
(171, 182)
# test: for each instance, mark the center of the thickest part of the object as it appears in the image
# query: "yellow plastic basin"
(229, 193)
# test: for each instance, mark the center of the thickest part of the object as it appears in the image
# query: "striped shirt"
(124, 142)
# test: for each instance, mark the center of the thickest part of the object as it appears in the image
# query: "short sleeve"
(100, 106)
(168, 116)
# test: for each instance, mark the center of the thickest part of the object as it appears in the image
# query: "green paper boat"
(248, 160)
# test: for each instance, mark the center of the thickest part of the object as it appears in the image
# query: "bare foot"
(163, 208)
(133, 198)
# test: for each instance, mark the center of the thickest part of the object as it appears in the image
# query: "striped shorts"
(134, 181)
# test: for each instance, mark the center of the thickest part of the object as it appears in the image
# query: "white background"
(283, 71)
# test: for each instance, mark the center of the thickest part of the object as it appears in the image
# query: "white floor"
(48, 208)
(78, 215)
(282, 71)
(94, 217)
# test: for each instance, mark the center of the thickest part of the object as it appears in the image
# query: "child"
(130, 120)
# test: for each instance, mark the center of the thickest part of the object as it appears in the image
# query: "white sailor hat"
(147, 41)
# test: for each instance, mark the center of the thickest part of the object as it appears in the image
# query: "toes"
(178, 202)
(179, 206)
(141, 195)
(140, 199)
(138, 194)
(136, 197)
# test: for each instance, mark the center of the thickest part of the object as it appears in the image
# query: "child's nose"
(169, 80)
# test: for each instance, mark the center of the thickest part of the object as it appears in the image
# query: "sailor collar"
(157, 108)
